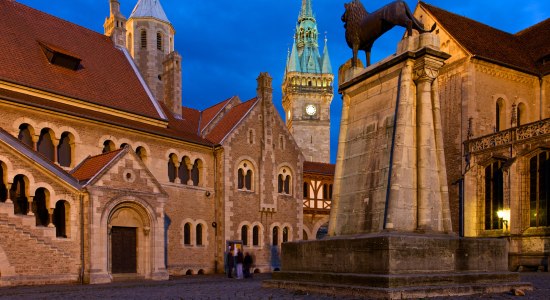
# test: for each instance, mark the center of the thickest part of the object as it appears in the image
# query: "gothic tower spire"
(307, 89)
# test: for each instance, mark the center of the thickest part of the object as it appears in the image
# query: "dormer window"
(60, 57)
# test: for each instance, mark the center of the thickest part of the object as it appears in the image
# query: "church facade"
(105, 174)
(495, 112)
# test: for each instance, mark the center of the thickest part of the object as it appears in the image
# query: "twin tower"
(148, 36)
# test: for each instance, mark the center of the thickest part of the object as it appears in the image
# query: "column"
(428, 183)
(30, 200)
(50, 218)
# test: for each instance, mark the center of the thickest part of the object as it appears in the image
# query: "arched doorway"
(129, 240)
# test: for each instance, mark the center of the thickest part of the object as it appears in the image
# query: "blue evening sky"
(225, 44)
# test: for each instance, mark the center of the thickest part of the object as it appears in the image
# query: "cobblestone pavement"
(214, 287)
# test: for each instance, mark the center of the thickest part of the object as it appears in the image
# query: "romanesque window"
(183, 170)
(143, 39)
(284, 181)
(198, 235)
(18, 194)
(45, 145)
(3, 186)
(64, 150)
(285, 234)
(60, 218)
(195, 172)
(494, 195)
(141, 153)
(275, 236)
(539, 190)
(159, 41)
(108, 146)
(244, 235)
(41, 212)
(25, 135)
(245, 176)
(187, 234)
(256, 235)
(172, 167)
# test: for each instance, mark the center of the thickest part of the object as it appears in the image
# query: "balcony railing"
(508, 136)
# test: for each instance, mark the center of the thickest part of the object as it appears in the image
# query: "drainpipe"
(540, 98)
(215, 224)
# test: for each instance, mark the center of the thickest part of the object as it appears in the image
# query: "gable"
(127, 172)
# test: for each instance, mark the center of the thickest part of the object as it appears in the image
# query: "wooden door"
(124, 254)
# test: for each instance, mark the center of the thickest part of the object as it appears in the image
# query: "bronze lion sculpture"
(363, 28)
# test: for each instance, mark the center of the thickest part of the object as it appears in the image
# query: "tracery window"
(539, 190)
(245, 176)
(494, 195)
(284, 181)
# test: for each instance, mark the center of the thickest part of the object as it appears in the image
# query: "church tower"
(307, 89)
(150, 41)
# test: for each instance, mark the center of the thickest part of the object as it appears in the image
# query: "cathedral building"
(495, 112)
(104, 174)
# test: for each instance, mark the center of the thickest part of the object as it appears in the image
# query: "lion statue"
(363, 28)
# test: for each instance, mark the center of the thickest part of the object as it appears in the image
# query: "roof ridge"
(532, 27)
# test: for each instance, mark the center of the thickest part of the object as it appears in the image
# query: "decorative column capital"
(426, 68)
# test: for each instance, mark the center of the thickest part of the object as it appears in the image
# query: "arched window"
(256, 235)
(3, 182)
(195, 172)
(245, 176)
(183, 170)
(18, 194)
(108, 146)
(143, 39)
(123, 145)
(141, 153)
(198, 235)
(275, 236)
(64, 150)
(284, 181)
(539, 190)
(45, 144)
(41, 212)
(285, 234)
(25, 135)
(494, 195)
(60, 218)
(172, 171)
(159, 41)
(187, 234)
(244, 235)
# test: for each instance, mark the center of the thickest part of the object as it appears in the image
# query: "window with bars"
(143, 39)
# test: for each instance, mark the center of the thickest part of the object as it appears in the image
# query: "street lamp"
(504, 215)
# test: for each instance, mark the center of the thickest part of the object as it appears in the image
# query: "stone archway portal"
(124, 250)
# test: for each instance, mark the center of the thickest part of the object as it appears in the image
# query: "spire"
(326, 68)
(307, 11)
(149, 9)
(293, 64)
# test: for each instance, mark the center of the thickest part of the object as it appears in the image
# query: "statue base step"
(397, 265)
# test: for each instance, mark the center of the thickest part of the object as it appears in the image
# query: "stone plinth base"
(395, 266)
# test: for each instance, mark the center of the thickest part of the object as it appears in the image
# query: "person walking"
(247, 264)
(239, 263)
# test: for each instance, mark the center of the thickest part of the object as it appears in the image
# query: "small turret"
(115, 24)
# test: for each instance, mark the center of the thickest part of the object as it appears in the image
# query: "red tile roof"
(92, 165)
(208, 114)
(177, 129)
(319, 168)
(229, 121)
(491, 44)
(105, 77)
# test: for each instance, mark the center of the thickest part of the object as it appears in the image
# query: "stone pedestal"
(390, 224)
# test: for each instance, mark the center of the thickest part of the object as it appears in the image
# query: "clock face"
(311, 109)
